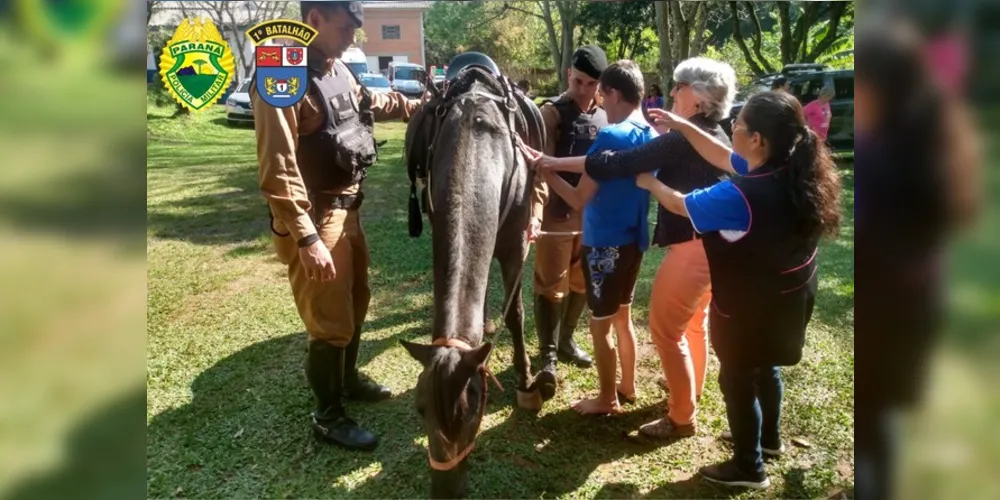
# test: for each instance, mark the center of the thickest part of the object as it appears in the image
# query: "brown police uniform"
(560, 289)
(313, 157)
(331, 311)
(557, 258)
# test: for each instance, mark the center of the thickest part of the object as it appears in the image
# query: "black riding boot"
(356, 385)
(546, 322)
(569, 352)
(325, 372)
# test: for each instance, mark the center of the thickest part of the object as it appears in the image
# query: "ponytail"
(815, 186)
(811, 174)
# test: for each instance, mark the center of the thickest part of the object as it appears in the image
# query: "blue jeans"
(753, 407)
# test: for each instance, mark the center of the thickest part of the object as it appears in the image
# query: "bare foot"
(595, 406)
(627, 395)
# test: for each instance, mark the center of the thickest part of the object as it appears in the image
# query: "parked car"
(238, 109)
(355, 59)
(806, 80)
(405, 78)
(376, 82)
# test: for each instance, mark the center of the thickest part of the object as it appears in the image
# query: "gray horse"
(478, 206)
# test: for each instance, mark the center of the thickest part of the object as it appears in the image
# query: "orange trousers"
(677, 320)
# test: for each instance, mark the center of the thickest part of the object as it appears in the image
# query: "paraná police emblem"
(197, 64)
(282, 72)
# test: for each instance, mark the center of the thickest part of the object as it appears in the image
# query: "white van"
(355, 59)
(405, 79)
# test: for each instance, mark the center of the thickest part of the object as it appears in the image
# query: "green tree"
(808, 31)
(618, 27)
(199, 63)
(682, 28)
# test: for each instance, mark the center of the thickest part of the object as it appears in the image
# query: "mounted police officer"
(572, 121)
(313, 157)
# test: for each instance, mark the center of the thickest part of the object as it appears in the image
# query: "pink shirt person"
(818, 113)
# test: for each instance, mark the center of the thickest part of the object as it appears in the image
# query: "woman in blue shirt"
(761, 231)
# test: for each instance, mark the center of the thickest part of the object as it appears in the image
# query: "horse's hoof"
(529, 400)
(489, 328)
(546, 384)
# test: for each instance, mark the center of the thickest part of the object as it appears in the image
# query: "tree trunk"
(738, 35)
(837, 10)
(554, 46)
(788, 48)
(700, 25)
(663, 32)
(758, 37)
(682, 31)
(567, 18)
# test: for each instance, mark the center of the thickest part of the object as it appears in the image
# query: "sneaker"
(663, 428)
(728, 474)
(727, 436)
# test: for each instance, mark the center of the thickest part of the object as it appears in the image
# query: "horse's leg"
(512, 267)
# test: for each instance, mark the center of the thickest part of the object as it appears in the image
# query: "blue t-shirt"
(618, 212)
(721, 207)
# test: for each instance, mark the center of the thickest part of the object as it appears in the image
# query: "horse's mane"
(422, 130)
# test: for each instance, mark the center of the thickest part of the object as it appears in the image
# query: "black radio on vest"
(339, 153)
(577, 133)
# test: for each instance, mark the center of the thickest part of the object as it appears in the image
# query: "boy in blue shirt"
(615, 235)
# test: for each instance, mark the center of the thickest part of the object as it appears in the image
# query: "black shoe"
(771, 451)
(568, 351)
(357, 386)
(331, 426)
(325, 373)
(729, 474)
(546, 322)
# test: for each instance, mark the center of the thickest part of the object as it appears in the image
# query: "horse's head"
(451, 401)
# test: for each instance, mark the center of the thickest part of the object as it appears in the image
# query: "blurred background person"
(915, 168)
(818, 113)
(654, 98)
(781, 83)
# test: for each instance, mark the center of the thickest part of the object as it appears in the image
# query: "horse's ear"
(420, 352)
(477, 357)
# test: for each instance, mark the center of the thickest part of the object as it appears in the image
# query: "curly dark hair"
(777, 117)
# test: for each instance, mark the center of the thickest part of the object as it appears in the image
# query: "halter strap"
(487, 374)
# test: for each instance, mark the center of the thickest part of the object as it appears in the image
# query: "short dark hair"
(625, 77)
(779, 82)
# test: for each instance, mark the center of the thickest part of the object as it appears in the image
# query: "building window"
(390, 32)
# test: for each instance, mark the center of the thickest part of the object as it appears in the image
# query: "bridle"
(507, 103)
(457, 458)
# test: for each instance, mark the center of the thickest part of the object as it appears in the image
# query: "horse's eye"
(478, 120)
(420, 411)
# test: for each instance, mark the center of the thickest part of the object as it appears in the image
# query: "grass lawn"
(228, 404)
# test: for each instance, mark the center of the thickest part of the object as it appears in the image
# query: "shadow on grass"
(102, 457)
(89, 201)
(245, 432)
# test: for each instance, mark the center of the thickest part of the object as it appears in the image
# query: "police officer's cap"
(355, 9)
(591, 60)
(466, 59)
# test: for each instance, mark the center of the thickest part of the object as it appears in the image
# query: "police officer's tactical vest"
(339, 153)
(577, 132)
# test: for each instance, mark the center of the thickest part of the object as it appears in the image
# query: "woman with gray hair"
(818, 113)
(703, 94)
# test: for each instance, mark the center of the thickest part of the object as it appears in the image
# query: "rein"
(456, 459)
